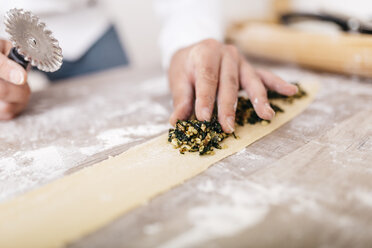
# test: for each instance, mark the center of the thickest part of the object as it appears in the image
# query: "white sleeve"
(186, 22)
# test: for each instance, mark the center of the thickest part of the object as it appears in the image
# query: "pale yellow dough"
(76, 205)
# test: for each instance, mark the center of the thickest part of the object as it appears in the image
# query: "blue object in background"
(106, 53)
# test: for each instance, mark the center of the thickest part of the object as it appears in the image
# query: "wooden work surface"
(308, 184)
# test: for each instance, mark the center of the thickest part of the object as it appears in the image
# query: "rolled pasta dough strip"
(78, 204)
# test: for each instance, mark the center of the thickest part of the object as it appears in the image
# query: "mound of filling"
(204, 136)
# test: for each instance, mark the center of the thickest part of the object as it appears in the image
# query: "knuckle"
(23, 93)
(230, 84)
(4, 42)
(210, 42)
(227, 99)
(227, 106)
(261, 96)
(260, 71)
(179, 102)
(2, 61)
(227, 112)
(7, 116)
(4, 90)
(6, 108)
(232, 89)
(232, 50)
(204, 98)
(208, 75)
(195, 53)
(232, 80)
(199, 51)
(27, 92)
(8, 43)
(203, 46)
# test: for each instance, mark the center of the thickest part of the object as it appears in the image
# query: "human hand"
(14, 90)
(208, 71)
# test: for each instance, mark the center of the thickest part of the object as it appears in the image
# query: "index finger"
(256, 90)
(207, 66)
(183, 96)
(228, 89)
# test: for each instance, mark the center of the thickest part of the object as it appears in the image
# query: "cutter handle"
(15, 56)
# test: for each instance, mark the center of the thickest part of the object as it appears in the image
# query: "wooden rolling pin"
(336, 52)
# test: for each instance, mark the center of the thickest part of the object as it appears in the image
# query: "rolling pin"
(337, 52)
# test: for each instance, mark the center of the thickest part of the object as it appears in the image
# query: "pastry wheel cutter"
(32, 42)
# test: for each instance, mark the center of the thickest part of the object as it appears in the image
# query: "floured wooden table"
(307, 184)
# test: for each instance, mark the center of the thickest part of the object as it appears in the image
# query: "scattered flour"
(206, 186)
(238, 205)
(155, 87)
(90, 150)
(152, 229)
(27, 168)
(363, 197)
(216, 220)
(60, 135)
(119, 136)
(237, 209)
(242, 205)
(114, 137)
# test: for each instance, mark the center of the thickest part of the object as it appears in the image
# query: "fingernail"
(255, 101)
(206, 115)
(230, 121)
(16, 76)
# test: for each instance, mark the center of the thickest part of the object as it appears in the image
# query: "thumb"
(11, 71)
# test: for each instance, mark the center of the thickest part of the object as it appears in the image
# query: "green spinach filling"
(204, 136)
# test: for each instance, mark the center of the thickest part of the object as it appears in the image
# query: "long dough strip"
(71, 207)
